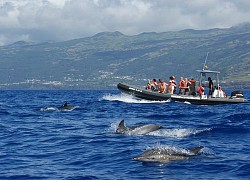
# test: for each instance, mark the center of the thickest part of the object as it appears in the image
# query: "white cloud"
(43, 20)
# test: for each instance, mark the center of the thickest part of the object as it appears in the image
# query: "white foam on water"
(113, 127)
(49, 109)
(207, 152)
(178, 133)
(128, 99)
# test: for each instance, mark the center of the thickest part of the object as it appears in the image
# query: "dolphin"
(65, 106)
(163, 155)
(140, 130)
(68, 107)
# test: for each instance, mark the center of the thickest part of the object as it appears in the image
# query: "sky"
(61, 20)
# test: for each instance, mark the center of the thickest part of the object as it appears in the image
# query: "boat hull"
(143, 94)
(156, 96)
(207, 101)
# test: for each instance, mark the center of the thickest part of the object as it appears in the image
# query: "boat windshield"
(204, 74)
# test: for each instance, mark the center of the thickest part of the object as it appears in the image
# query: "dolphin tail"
(121, 126)
(196, 149)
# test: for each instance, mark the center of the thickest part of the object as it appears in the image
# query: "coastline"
(226, 86)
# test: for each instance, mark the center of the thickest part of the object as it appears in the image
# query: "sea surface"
(39, 141)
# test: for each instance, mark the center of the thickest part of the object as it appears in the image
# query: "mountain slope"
(107, 58)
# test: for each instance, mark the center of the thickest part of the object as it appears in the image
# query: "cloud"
(59, 20)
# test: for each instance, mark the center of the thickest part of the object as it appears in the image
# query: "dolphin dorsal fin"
(121, 126)
(196, 149)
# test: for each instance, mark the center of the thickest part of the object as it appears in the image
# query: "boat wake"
(128, 99)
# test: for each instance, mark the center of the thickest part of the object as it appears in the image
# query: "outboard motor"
(237, 94)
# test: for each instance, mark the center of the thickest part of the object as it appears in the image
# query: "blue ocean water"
(38, 141)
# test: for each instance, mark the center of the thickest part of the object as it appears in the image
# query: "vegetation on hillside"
(102, 61)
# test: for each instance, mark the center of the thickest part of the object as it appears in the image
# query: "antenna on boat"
(205, 62)
(202, 73)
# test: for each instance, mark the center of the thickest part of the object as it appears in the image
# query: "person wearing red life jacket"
(200, 90)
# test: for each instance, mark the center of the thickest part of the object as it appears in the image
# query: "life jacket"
(200, 90)
(182, 84)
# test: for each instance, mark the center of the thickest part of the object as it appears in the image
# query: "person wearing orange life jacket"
(200, 90)
(182, 87)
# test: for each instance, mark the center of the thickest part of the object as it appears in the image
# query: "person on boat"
(218, 92)
(210, 86)
(201, 90)
(221, 92)
(154, 85)
(182, 86)
(171, 85)
(162, 86)
(187, 84)
(148, 85)
(192, 87)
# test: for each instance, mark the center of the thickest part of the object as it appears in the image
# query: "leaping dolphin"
(163, 155)
(140, 130)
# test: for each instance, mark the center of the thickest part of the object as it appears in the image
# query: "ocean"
(39, 141)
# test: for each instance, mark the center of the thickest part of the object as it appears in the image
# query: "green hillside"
(101, 61)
